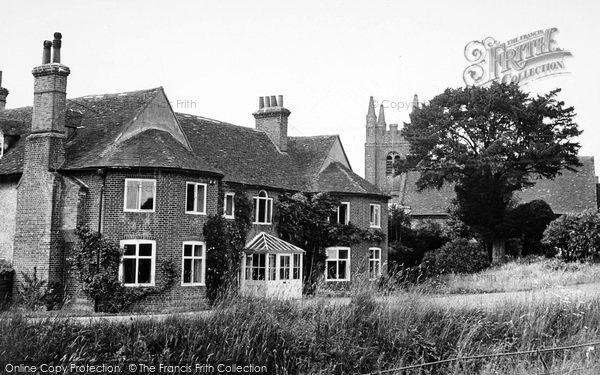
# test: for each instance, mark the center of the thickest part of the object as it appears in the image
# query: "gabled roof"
(248, 156)
(570, 192)
(336, 178)
(96, 141)
(139, 129)
(267, 243)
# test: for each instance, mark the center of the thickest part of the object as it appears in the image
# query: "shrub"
(575, 237)
(95, 264)
(457, 256)
(409, 245)
(6, 269)
(526, 224)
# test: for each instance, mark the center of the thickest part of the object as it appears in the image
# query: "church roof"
(569, 192)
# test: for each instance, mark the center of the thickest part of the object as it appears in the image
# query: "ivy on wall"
(225, 240)
(305, 221)
(100, 281)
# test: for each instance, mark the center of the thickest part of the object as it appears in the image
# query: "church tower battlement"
(383, 147)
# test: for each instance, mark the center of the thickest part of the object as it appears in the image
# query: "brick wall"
(8, 212)
(38, 241)
(169, 225)
(360, 216)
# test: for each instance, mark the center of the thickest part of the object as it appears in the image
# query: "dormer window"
(263, 208)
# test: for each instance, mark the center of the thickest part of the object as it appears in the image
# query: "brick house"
(148, 178)
(568, 193)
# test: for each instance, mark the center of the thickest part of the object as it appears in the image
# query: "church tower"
(383, 147)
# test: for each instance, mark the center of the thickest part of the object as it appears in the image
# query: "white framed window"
(374, 263)
(375, 216)
(255, 266)
(342, 215)
(193, 264)
(138, 263)
(263, 208)
(337, 264)
(140, 195)
(1, 144)
(272, 267)
(195, 198)
(229, 206)
(285, 266)
(297, 267)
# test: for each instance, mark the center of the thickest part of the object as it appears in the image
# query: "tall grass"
(526, 274)
(320, 338)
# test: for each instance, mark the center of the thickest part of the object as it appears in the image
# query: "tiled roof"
(92, 145)
(570, 192)
(242, 154)
(248, 156)
(336, 178)
(267, 243)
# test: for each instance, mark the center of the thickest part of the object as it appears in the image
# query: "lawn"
(520, 275)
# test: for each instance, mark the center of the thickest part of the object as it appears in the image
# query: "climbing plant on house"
(225, 240)
(95, 264)
(304, 220)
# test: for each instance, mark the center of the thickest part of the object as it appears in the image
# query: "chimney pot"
(273, 101)
(46, 55)
(280, 100)
(56, 44)
(0, 78)
(267, 101)
(261, 102)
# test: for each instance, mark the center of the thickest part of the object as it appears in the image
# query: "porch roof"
(267, 243)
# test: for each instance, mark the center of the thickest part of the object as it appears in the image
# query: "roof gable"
(267, 243)
(156, 114)
(336, 154)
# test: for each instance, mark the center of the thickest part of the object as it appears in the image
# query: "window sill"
(231, 217)
(336, 280)
(262, 223)
(140, 211)
(195, 213)
(192, 284)
(139, 285)
(375, 226)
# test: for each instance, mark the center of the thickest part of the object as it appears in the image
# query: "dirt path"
(572, 293)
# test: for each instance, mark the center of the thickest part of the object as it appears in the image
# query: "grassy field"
(526, 274)
(320, 338)
(367, 335)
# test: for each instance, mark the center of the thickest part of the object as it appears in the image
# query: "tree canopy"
(489, 142)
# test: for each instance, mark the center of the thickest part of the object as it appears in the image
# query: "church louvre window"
(391, 159)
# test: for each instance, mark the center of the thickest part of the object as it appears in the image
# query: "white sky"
(325, 57)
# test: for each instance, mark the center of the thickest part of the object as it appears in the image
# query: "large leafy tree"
(489, 142)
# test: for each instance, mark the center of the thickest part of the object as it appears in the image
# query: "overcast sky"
(216, 58)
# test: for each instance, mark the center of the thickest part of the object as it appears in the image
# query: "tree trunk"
(498, 251)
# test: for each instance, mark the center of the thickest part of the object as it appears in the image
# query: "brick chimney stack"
(272, 118)
(3, 94)
(37, 237)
